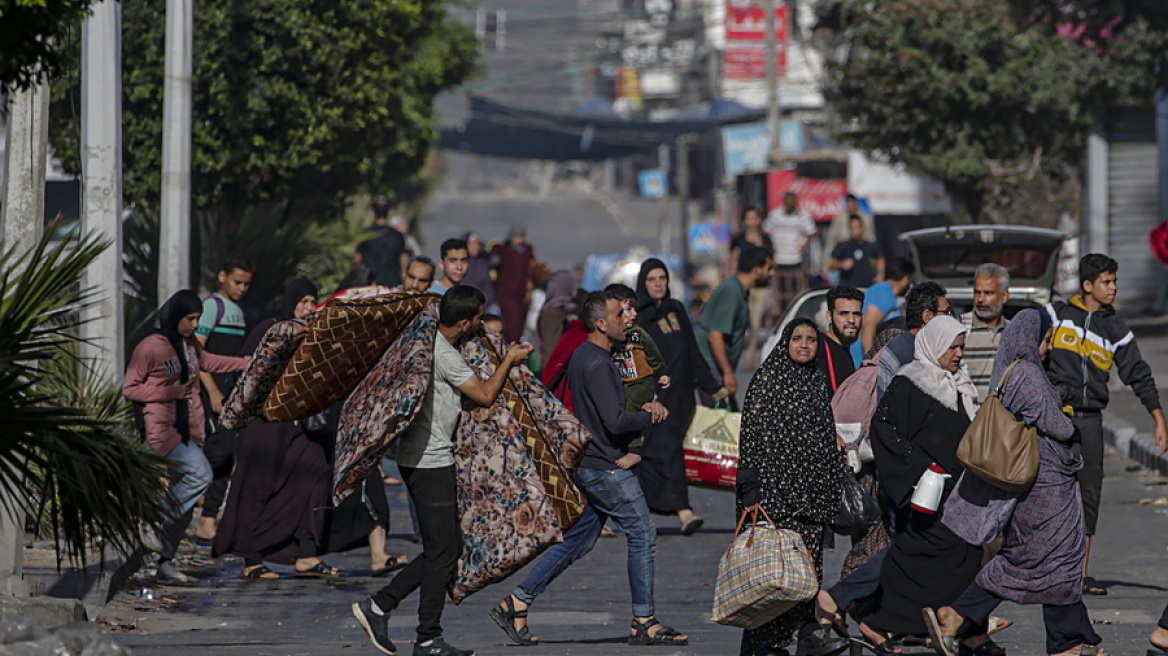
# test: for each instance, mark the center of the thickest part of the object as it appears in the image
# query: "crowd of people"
(632, 364)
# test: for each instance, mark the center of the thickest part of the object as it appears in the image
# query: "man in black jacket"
(605, 478)
(1089, 341)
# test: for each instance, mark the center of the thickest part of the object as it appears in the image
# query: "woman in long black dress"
(661, 471)
(789, 462)
(918, 424)
(281, 485)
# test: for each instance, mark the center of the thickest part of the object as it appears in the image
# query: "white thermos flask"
(927, 493)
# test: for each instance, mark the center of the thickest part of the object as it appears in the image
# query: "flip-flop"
(1156, 651)
(942, 644)
(1092, 587)
(997, 624)
(392, 565)
(692, 526)
(257, 574)
(319, 571)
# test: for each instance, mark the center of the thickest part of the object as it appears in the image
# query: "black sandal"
(257, 574)
(987, 648)
(1092, 587)
(665, 635)
(506, 621)
(318, 571)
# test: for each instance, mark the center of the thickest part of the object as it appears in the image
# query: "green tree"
(962, 91)
(65, 452)
(29, 33)
(298, 104)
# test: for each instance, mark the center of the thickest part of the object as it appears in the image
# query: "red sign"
(821, 199)
(744, 57)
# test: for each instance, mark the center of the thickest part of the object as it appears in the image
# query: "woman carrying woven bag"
(1041, 560)
(789, 462)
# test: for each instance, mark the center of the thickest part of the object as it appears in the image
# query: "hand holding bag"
(764, 573)
(998, 448)
(858, 509)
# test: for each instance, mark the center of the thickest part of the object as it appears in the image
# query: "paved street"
(586, 611)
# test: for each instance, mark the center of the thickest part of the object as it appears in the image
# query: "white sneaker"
(168, 574)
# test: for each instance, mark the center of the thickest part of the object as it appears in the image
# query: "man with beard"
(984, 325)
(844, 317)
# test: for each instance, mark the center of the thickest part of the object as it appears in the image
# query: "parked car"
(949, 256)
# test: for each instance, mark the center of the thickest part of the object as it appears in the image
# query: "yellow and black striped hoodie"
(1087, 346)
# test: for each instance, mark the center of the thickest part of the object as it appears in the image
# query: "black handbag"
(857, 510)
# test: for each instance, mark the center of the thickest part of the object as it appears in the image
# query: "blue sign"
(791, 137)
(708, 238)
(653, 184)
(744, 148)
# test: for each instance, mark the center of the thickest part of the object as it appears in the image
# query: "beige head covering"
(925, 372)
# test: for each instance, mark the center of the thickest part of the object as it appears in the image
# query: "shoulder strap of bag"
(830, 366)
(996, 392)
(220, 309)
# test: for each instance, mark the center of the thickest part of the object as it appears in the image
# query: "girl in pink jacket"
(168, 386)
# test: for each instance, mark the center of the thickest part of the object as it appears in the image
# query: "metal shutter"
(1131, 206)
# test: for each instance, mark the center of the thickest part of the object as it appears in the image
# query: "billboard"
(744, 57)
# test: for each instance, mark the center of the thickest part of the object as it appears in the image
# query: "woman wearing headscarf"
(558, 308)
(513, 260)
(789, 462)
(917, 426)
(1041, 559)
(478, 270)
(661, 471)
(275, 510)
(163, 377)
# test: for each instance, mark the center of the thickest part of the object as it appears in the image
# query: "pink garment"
(150, 379)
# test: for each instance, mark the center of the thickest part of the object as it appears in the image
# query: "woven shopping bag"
(711, 447)
(764, 573)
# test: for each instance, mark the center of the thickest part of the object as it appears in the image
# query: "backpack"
(855, 403)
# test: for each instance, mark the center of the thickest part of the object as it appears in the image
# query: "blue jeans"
(611, 494)
(190, 474)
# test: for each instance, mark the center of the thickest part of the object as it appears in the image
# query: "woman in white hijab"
(915, 433)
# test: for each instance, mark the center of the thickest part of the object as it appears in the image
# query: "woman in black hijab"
(661, 471)
(162, 378)
(789, 462)
(280, 489)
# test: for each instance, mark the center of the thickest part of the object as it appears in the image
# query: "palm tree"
(66, 456)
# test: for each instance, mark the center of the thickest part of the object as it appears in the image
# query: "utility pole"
(22, 213)
(22, 206)
(174, 248)
(772, 78)
(103, 347)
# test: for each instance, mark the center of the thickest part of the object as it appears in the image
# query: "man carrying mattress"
(426, 458)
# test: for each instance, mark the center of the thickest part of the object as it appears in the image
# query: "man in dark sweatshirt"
(605, 478)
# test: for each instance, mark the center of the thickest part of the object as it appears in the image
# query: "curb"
(1140, 447)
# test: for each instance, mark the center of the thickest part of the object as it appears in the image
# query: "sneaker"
(168, 574)
(438, 647)
(376, 626)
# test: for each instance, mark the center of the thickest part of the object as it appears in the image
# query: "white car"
(949, 256)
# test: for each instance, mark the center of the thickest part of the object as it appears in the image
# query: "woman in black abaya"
(661, 471)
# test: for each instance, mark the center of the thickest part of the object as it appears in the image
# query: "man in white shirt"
(791, 231)
(426, 458)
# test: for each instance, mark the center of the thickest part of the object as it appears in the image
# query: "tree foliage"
(962, 91)
(30, 33)
(64, 452)
(298, 104)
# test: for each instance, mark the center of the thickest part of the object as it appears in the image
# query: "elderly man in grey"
(984, 325)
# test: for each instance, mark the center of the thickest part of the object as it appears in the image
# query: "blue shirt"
(437, 288)
(882, 298)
